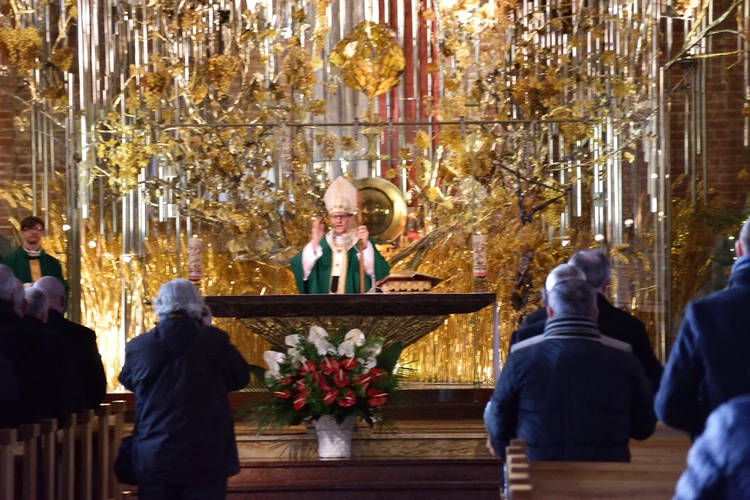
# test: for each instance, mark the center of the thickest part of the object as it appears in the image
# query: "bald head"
(37, 303)
(53, 290)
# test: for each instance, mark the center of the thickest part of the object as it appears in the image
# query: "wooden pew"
(590, 480)
(67, 448)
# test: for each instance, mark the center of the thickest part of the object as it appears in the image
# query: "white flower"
(353, 338)
(273, 359)
(295, 357)
(292, 340)
(356, 336)
(319, 338)
(371, 361)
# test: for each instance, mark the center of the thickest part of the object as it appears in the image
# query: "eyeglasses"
(340, 217)
(35, 229)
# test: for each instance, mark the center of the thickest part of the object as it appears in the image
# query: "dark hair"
(31, 221)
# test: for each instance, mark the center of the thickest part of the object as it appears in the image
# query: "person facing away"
(181, 372)
(80, 341)
(29, 261)
(329, 263)
(573, 394)
(30, 353)
(559, 273)
(60, 396)
(612, 321)
(708, 364)
(718, 465)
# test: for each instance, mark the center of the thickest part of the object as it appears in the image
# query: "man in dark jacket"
(719, 461)
(612, 321)
(31, 356)
(708, 364)
(91, 381)
(181, 371)
(573, 394)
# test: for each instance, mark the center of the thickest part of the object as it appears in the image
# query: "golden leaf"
(391, 173)
(433, 194)
(629, 157)
(422, 141)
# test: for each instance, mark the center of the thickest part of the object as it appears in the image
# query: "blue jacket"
(181, 373)
(708, 364)
(719, 461)
(572, 394)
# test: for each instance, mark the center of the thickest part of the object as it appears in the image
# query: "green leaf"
(388, 357)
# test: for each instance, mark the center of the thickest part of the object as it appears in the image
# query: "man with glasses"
(29, 262)
(329, 263)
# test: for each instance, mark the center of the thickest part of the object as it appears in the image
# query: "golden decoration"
(369, 60)
(383, 208)
(21, 47)
(222, 69)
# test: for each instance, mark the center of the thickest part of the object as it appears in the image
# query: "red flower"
(348, 399)
(285, 381)
(329, 365)
(318, 378)
(300, 401)
(329, 395)
(307, 367)
(363, 379)
(283, 394)
(378, 374)
(340, 378)
(377, 397)
(349, 364)
(301, 387)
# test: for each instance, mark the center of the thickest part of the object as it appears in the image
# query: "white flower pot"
(334, 440)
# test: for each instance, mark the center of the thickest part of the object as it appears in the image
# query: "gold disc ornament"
(383, 208)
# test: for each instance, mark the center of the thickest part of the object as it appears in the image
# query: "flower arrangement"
(341, 374)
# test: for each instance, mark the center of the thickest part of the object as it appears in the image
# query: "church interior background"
(162, 130)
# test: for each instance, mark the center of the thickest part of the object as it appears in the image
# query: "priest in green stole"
(29, 261)
(329, 263)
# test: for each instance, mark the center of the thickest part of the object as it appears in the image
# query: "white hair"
(54, 290)
(178, 295)
(7, 283)
(572, 297)
(37, 307)
(19, 298)
(562, 273)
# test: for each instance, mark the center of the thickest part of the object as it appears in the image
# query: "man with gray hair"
(31, 355)
(613, 321)
(90, 384)
(709, 361)
(572, 393)
(180, 373)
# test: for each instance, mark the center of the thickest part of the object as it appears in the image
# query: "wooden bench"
(36, 455)
(590, 480)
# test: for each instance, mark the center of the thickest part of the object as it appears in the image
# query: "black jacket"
(181, 373)
(32, 356)
(613, 322)
(572, 394)
(710, 361)
(91, 380)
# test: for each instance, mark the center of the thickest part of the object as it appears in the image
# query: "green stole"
(319, 280)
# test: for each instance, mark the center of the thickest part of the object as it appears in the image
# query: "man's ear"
(62, 302)
(550, 312)
(738, 249)
(595, 316)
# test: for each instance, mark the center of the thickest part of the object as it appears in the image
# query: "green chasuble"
(18, 260)
(319, 280)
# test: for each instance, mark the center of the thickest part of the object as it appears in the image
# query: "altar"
(401, 318)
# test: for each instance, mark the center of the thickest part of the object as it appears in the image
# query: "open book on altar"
(407, 281)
